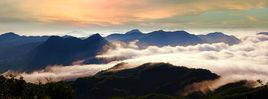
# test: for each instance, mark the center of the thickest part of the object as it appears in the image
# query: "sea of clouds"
(247, 60)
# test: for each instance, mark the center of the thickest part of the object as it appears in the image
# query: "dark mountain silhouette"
(240, 90)
(11, 39)
(147, 78)
(8, 36)
(236, 90)
(162, 81)
(16, 58)
(172, 38)
(127, 37)
(14, 49)
(11, 88)
(63, 51)
(35, 52)
(158, 38)
(9, 42)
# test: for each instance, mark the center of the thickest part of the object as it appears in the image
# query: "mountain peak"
(95, 37)
(217, 37)
(134, 31)
(161, 31)
(9, 34)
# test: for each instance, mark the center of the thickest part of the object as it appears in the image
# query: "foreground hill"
(147, 78)
(172, 38)
(236, 90)
(240, 90)
(148, 81)
(18, 89)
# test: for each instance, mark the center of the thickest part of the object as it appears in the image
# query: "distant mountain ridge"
(218, 37)
(11, 39)
(64, 51)
(14, 49)
(172, 38)
(37, 52)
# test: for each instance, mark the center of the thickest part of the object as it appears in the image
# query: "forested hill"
(148, 81)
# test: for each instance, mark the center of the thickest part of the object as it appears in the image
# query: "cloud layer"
(245, 61)
(60, 73)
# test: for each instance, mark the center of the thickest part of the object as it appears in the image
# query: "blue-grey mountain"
(65, 51)
(172, 38)
(28, 53)
(36, 52)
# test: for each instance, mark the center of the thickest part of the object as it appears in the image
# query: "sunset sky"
(47, 17)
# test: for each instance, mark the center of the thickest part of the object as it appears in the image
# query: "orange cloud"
(107, 12)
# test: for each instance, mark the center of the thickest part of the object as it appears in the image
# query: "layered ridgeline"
(15, 49)
(12, 46)
(65, 51)
(147, 81)
(11, 39)
(172, 38)
(27, 53)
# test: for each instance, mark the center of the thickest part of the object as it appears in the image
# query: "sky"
(58, 17)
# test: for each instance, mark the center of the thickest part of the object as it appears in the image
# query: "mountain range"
(65, 51)
(11, 39)
(172, 38)
(27, 53)
(39, 52)
(11, 43)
